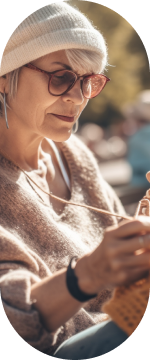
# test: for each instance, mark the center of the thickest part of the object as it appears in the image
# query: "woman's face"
(36, 109)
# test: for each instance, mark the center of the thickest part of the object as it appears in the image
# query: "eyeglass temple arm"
(30, 66)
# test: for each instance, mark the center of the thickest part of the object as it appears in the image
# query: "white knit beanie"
(57, 26)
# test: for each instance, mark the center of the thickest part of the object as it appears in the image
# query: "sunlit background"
(116, 124)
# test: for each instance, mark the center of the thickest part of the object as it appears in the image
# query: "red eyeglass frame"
(50, 74)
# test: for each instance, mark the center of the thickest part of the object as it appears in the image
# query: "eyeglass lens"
(63, 80)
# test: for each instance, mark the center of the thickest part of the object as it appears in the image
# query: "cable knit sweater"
(35, 241)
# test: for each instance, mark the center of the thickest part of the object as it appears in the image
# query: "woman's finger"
(131, 227)
(133, 261)
(132, 244)
(136, 275)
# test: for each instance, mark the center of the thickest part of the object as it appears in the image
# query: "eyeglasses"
(61, 81)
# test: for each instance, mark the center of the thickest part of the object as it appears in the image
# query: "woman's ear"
(3, 84)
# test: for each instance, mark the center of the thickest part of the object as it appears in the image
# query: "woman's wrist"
(82, 271)
(73, 286)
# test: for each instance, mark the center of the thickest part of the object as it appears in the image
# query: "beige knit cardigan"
(35, 241)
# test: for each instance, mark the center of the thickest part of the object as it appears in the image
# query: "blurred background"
(116, 124)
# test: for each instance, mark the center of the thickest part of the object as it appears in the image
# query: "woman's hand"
(122, 257)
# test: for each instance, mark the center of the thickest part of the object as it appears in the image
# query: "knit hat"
(55, 27)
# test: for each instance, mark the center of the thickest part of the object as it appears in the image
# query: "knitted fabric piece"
(128, 304)
(54, 27)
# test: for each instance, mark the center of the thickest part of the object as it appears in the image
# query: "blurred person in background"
(94, 137)
(137, 129)
(103, 146)
(91, 134)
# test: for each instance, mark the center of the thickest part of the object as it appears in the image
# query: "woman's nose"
(75, 94)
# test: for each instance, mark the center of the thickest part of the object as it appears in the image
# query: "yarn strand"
(62, 200)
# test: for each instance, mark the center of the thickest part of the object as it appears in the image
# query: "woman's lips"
(65, 118)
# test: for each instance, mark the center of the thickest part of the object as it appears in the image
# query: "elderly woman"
(58, 262)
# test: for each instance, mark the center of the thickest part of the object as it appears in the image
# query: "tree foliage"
(129, 67)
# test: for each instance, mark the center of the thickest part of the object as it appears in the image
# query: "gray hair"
(80, 60)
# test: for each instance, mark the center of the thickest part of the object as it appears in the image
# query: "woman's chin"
(60, 136)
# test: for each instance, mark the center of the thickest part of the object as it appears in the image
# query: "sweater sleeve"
(18, 271)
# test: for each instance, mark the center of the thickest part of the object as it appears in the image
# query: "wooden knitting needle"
(144, 204)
